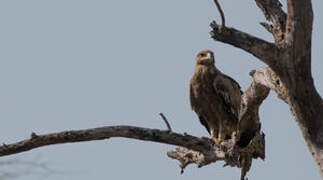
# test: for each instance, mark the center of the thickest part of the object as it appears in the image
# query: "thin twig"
(166, 122)
(221, 13)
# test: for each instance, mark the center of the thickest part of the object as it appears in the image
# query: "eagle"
(215, 97)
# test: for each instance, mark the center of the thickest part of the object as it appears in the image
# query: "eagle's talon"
(218, 140)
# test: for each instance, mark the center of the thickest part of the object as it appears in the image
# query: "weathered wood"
(201, 151)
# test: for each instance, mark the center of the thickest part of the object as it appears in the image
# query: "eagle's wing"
(196, 107)
(230, 92)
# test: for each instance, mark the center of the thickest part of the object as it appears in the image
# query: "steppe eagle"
(215, 97)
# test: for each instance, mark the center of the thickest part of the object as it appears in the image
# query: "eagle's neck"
(202, 71)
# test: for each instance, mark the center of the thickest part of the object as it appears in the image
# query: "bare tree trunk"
(290, 60)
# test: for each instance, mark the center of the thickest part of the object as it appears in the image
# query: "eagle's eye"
(203, 55)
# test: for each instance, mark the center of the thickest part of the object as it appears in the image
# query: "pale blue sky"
(73, 64)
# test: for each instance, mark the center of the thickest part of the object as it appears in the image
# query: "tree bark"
(291, 63)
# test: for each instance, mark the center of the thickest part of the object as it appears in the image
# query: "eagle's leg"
(221, 133)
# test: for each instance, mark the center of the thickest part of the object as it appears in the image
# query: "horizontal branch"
(265, 51)
(107, 132)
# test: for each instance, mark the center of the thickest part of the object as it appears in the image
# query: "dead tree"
(288, 73)
(289, 64)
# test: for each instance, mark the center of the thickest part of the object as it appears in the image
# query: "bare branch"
(106, 132)
(265, 51)
(166, 122)
(207, 149)
(221, 13)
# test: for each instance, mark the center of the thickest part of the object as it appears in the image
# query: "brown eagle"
(215, 97)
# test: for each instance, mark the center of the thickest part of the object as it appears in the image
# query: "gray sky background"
(73, 64)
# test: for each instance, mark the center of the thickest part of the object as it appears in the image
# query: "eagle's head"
(205, 57)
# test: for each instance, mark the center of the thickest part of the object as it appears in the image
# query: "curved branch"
(221, 12)
(106, 132)
(201, 151)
